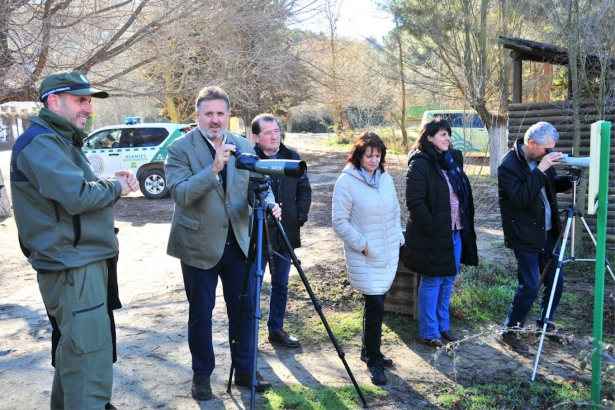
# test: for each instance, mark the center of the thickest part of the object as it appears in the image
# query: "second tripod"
(571, 213)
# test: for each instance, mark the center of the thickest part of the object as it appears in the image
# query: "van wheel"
(153, 184)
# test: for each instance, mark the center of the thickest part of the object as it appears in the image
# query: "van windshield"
(463, 120)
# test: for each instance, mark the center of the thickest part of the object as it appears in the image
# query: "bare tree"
(455, 45)
(244, 47)
(99, 38)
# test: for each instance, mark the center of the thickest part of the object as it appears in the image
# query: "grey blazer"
(202, 208)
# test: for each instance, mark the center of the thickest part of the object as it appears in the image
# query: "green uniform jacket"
(63, 211)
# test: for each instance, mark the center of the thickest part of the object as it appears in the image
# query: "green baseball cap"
(73, 83)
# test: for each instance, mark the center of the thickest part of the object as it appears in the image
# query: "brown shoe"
(284, 338)
(514, 343)
(245, 380)
(437, 343)
(201, 388)
(448, 335)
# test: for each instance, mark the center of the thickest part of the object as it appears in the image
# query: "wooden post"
(517, 81)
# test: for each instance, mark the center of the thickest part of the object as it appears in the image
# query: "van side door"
(101, 149)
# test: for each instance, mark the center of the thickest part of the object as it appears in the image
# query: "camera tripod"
(572, 212)
(255, 254)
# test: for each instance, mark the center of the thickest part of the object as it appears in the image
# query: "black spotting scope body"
(275, 167)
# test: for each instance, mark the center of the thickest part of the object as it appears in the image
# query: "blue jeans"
(279, 290)
(434, 298)
(529, 268)
(200, 287)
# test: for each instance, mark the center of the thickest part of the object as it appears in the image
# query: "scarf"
(460, 183)
(369, 180)
(63, 127)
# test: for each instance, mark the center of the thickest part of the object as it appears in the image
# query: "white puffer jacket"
(363, 214)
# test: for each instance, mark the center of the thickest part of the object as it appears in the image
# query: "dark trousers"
(113, 302)
(279, 290)
(530, 266)
(200, 285)
(372, 329)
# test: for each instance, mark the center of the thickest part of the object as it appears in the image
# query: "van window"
(104, 139)
(143, 137)
(463, 120)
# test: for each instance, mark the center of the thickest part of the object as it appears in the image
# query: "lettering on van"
(141, 157)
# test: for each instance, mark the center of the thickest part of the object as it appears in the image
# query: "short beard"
(212, 137)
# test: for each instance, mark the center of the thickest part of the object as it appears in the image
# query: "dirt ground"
(153, 368)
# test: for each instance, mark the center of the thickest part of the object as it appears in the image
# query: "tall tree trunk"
(402, 121)
(171, 108)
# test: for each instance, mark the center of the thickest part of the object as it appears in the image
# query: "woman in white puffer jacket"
(366, 216)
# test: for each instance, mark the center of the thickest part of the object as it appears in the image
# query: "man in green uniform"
(64, 218)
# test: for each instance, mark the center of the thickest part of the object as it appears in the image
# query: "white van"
(141, 148)
(469, 134)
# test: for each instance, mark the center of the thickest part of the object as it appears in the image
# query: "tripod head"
(575, 173)
(260, 186)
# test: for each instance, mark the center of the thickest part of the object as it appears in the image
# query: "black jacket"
(522, 209)
(294, 195)
(429, 248)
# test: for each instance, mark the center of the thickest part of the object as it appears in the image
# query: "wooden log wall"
(559, 113)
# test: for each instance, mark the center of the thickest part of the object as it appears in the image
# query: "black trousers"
(372, 329)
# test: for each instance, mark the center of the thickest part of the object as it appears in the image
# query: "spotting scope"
(275, 167)
(569, 160)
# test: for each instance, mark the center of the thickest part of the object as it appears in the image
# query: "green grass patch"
(397, 328)
(482, 293)
(346, 326)
(516, 394)
(320, 398)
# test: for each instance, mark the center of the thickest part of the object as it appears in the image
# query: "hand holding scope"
(572, 161)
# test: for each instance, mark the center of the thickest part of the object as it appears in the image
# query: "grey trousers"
(77, 299)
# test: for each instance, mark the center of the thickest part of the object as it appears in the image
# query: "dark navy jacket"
(294, 195)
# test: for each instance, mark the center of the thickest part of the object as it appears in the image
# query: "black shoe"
(553, 334)
(110, 406)
(448, 335)
(245, 380)
(284, 338)
(437, 343)
(514, 343)
(201, 388)
(377, 375)
(386, 362)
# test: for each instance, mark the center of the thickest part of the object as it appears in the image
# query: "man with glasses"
(527, 188)
(294, 195)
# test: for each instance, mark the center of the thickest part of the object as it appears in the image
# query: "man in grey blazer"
(209, 234)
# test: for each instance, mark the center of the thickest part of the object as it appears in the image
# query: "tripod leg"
(318, 308)
(242, 301)
(591, 235)
(569, 215)
(553, 290)
(260, 220)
